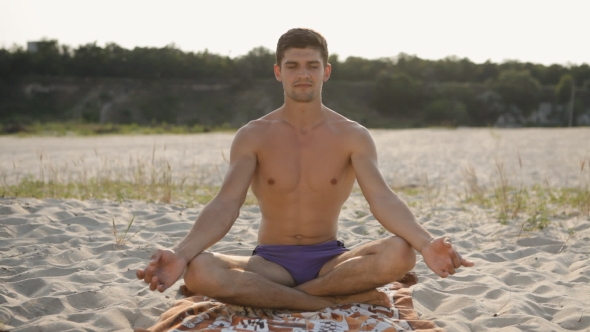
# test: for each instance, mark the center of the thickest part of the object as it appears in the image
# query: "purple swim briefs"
(303, 262)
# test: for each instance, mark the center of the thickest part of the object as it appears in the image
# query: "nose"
(304, 72)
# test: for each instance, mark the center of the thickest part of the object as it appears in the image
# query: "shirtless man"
(301, 161)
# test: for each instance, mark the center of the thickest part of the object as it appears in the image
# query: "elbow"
(378, 210)
(390, 208)
(230, 208)
(382, 204)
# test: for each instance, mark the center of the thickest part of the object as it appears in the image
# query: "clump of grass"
(509, 198)
(535, 205)
(473, 191)
(122, 238)
(149, 179)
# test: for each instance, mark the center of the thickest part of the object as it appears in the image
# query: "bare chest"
(315, 163)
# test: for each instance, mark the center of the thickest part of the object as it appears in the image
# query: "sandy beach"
(61, 268)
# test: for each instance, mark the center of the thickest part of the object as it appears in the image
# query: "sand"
(61, 269)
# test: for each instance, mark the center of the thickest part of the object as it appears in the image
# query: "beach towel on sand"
(198, 313)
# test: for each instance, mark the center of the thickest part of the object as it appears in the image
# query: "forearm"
(395, 215)
(214, 221)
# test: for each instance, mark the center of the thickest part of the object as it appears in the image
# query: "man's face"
(302, 73)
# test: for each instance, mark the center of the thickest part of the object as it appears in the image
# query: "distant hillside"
(235, 102)
(172, 101)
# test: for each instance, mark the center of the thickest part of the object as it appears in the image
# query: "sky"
(545, 32)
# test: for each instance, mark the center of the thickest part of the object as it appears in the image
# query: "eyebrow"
(296, 63)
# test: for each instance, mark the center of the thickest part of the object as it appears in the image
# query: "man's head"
(302, 38)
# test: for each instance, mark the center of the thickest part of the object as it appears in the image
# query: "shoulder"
(355, 137)
(351, 131)
(259, 126)
(251, 136)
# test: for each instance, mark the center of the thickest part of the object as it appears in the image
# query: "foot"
(409, 279)
(373, 297)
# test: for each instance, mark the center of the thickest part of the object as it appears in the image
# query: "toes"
(409, 279)
(386, 300)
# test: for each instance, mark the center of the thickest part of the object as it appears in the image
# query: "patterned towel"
(198, 313)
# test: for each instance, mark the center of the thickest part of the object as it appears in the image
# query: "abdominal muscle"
(298, 224)
(306, 233)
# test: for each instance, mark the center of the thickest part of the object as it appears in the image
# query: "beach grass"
(155, 179)
(147, 179)
(535, 205)
(121, 238)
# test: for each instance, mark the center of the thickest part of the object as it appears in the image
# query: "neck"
(303, 115)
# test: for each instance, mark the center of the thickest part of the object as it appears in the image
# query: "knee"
(197, 276)
(397, 257)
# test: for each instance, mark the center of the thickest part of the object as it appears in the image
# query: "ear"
(327, 72)
(277, 71)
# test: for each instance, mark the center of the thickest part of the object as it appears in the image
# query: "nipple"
(271, 181)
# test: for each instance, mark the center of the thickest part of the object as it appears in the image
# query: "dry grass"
(155, 179)
(122, 238)
(533, 206)
(152, 179)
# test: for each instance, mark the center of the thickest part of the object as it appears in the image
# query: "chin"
(307, 98)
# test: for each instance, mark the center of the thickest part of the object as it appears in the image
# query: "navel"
(271, 181)
(334, 181)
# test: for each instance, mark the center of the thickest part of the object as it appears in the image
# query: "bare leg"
(228, 279)
(369, 266)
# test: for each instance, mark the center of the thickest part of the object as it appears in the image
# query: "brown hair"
(302, 38)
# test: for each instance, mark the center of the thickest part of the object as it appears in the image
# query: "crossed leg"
(348, 278)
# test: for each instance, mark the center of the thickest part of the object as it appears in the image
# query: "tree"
(397, 94)
(446, 112)
(563, 90)
(256, 64)
(518, 88)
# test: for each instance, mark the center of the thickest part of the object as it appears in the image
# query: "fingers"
(149, 273)
(161, 288)
(157, 285)
(466, 262)
(148, 277)
(154, 283)
(456, 259)
(143, 275)
(448, 260)
(459, 261)
(450, 267)
(447, 242)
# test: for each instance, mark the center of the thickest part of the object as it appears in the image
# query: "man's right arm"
(216, 219)
(218, 216)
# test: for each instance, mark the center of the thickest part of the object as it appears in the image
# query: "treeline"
(451, 91)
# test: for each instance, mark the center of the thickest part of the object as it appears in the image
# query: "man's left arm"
(393, 213)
